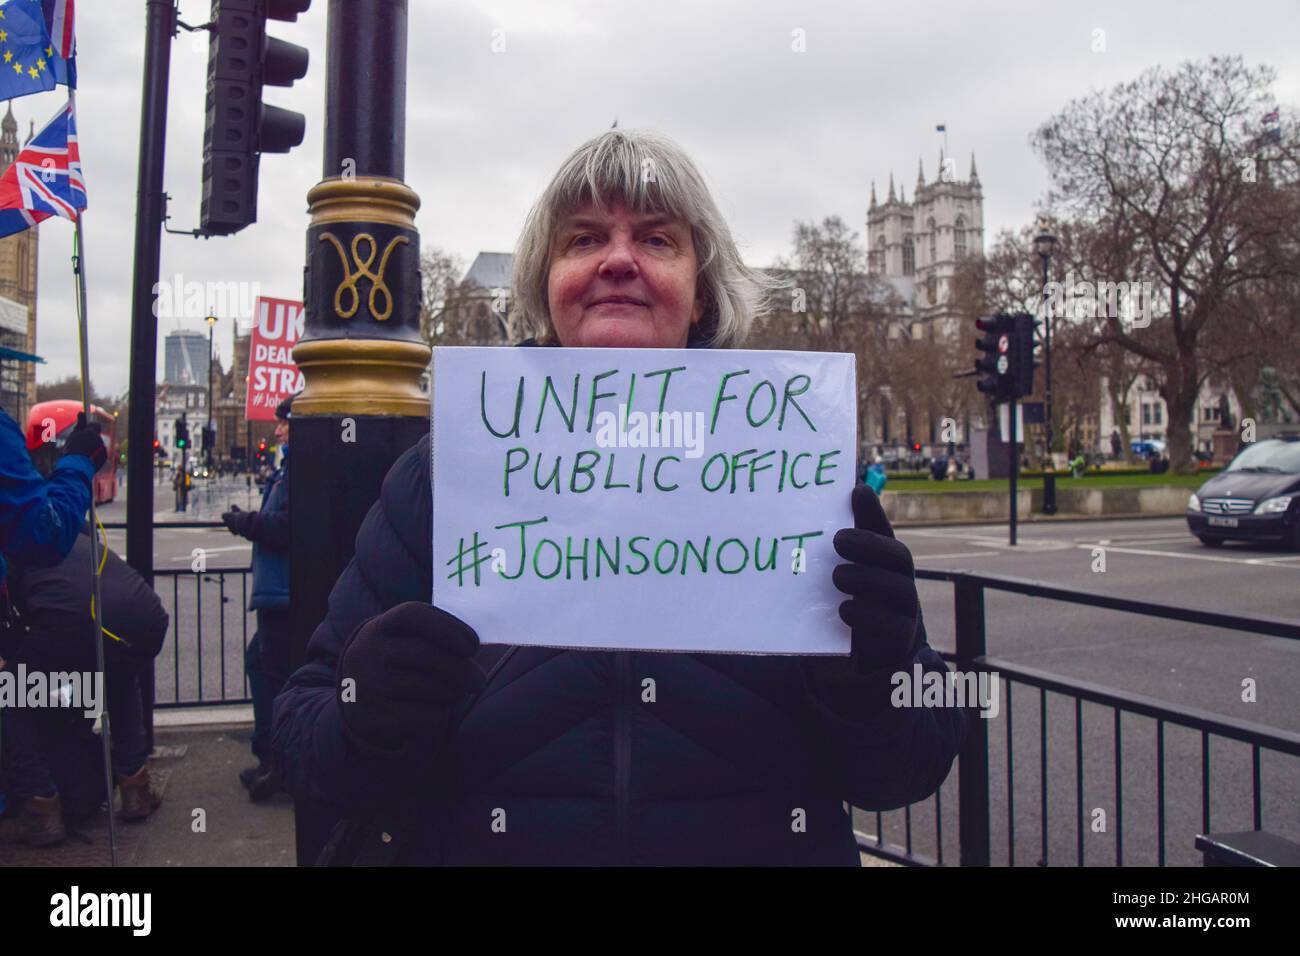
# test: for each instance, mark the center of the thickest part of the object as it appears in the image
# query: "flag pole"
(97, 606)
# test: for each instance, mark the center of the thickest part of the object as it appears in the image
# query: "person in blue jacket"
(266, 659)
(40, 518)
(434, 747)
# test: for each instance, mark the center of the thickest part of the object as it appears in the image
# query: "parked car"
(1256, 498)
(1148, 448)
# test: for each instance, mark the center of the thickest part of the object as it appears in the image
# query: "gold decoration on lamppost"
(350, 278)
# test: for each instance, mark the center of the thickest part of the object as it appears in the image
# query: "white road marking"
(958, 554)
(1222, 559)
(1139, 539)
(233, 547)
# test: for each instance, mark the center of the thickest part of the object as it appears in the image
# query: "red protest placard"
(272, 374)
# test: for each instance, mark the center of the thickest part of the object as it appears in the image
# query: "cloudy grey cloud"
(781, 135)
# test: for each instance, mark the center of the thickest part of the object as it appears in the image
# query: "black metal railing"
(974, 786)
(202, 661)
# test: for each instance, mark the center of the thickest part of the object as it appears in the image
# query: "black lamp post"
(1044, 244)
(207, 432)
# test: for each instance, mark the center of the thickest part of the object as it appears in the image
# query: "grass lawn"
(1190, 482)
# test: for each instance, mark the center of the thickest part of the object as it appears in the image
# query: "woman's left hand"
(883, 608)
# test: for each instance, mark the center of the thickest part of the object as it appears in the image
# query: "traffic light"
(209, 437)
(995, 366)
(182, 433)
(1022, 355)
(239, 127)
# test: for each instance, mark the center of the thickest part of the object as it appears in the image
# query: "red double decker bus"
(48, 427)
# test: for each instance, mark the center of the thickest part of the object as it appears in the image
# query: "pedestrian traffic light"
(239, 127)
(995, 366)
(182, 433)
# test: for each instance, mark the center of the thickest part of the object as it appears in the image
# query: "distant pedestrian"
(266, 661)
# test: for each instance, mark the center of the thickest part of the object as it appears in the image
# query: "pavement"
(206, 818)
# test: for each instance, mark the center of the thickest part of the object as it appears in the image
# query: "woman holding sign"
(440, 746)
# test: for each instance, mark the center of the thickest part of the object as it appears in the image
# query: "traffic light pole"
(160, 19)
(1049, 473)
(150, 207)
(1013, 463)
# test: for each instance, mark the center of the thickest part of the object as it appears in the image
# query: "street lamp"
(1044, 245)
(207, 432)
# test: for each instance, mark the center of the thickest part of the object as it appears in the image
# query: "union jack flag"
(45, 180)
(62, 49)
(58, 20)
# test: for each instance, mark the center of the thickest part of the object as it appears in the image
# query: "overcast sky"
(780, 135)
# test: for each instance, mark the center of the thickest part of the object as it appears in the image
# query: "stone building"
(916, 245)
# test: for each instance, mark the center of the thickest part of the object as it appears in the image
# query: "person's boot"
(265, 785)
(138, 797)
(38, 823)
(249, 774)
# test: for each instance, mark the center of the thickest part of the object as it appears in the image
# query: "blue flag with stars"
(25, 65)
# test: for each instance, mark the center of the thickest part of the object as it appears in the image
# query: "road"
(1179, 664)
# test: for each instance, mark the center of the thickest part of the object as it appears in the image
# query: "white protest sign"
(651, 499)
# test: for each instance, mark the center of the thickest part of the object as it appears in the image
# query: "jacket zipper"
(622, 754)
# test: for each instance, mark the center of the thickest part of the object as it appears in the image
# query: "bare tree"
(1176, 177)
(832, 305)
(442, 306)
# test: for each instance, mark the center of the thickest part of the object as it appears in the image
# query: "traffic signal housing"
(239, 127)
(1022, 355)
(994, 366)
(1006, 367)
(182, 433)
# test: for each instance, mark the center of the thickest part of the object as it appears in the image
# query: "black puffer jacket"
(739, 760)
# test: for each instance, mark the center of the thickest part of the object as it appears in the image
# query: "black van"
(1256, 498)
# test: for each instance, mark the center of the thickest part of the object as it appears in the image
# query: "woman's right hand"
(402, 675)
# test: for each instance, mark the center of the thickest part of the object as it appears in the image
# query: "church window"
(934, 240)
(959, 238)
(909, 255)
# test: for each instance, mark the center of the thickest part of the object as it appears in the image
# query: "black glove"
(410, 667)
(883, 607)
(239, 522)
(86, 440)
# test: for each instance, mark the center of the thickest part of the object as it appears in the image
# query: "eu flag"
(25, 65)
